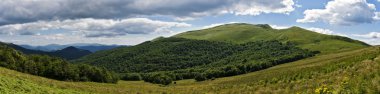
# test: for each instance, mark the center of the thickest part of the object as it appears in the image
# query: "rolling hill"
(178, 58)
(225, 50)
(356, 71)
(261, 60)
(242, 33)
(70, 53)
(52, 67)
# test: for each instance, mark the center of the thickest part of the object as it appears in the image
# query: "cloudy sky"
(129, 22)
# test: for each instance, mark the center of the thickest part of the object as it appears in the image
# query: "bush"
(131, 77)
(200, 77)
(158, 78)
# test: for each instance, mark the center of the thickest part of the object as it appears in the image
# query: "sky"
(130, 22)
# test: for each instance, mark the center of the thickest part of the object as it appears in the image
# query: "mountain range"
(93, 47)
(68, 53)
(232, 58)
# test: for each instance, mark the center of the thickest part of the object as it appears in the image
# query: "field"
(348, 72)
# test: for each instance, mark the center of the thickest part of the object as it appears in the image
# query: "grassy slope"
(241, 33)
(354, 71)
(13, 82)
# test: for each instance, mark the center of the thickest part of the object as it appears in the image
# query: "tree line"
(53, 67)
(170, 59)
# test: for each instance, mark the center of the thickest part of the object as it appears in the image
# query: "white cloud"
(184, 18)
(52, 37)
(256, 7)
(377, 16)
(279, 27)
(343, 12)
(216, 24)
(95, 27)
(369, 35)
(324, 31)
(371, 41)
(23, 11)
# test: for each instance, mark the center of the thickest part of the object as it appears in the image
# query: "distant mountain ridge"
(68, 53)
(93, 47)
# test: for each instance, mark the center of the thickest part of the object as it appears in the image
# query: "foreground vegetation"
(348, 72)
(52, 67)
(167, 59)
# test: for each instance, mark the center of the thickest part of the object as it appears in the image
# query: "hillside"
(242, 33)
(222, 51)
(68, 53)
(52, 67)
(354, 72)
(178, 58)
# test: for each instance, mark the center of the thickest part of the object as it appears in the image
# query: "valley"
(191, 65)
(189, 47)
(353, 71)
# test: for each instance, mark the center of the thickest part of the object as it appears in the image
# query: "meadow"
(355, 72)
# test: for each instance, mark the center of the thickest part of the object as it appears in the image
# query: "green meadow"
(355, 72)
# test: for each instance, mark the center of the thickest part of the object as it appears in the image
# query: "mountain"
(51, 67)
(93, 47)
(242, 33)
(221, 51)
(98, 47)
(352, 72)
(68, 53)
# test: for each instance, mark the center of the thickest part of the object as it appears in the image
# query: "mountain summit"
(243, 33)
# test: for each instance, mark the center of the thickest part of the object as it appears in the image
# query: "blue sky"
(129, 22)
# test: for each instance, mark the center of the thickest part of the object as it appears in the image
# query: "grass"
(12, 82)
(242, 33)
(347, 72)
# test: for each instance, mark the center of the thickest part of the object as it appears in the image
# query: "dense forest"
(167, 59)
(52, 67)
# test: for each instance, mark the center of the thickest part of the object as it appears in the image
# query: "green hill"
(221, 51)
(52, 67)
(242, 33)
(179, 58)
(353, 72)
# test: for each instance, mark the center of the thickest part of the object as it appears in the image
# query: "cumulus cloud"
(324, 31)
(343, 12)
(94, 27)
(314, 29)
(279, 27)
(369, 35)
(256, 7)
(216, 24)
(22, 11)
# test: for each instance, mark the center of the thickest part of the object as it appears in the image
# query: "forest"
(53, 67)
(165, 60)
